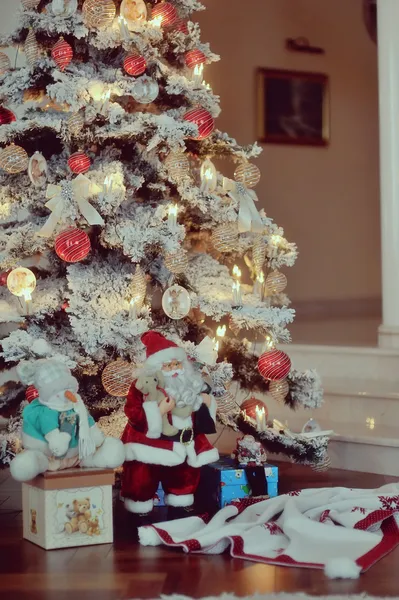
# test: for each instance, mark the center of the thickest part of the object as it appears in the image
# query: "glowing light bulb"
(198, 74)
(157, 21)
(370, 422)
(221, 331)
(236, 272)
(133, 308)
(172, 217)
(259, 286)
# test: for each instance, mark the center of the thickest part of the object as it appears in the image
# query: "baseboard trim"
(351, 308)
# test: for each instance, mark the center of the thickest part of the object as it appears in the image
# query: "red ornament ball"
(194, 58)
(166, 12)
(4, 277)
(251, 405)
(180, 25)
(79, 162)
(31, 393)
(62, 54)
(274, 365)
(72, 245)
(134, 64)
(204, 121)
(6, 116)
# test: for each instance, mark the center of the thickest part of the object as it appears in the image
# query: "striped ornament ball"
(204, 121)
(79, 163)
(274, 365)
(72, 245)
(135, 64)
(166, 13)
(194, 58)
(62, 54)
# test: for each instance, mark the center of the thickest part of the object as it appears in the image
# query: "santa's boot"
(180, 507)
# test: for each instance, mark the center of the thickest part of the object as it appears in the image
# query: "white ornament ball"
(176, 302)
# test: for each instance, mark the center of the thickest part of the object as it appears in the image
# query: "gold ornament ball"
(323, 465)
(178, 165)
(98, 13)
(31, 48)
(176, 262)
(247, 174)
(30, 4)
(5, 63)
(21, 281)
(279, 389)
(75, 124)
(139, 287)
(226, 404)
(225, 237)
(14, 159)
(117, 378)
(259, 253)
(276, 282)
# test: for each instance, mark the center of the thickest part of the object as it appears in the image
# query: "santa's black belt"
(184, 436)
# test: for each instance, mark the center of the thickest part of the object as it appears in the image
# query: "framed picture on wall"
(293, 107)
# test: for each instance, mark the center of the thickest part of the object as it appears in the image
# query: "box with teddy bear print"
(69, 508)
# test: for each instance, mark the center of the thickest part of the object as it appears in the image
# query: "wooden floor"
(125, 570)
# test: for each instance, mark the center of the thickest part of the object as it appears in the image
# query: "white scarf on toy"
(345, 531)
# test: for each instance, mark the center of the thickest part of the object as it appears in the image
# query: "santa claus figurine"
(152, 456)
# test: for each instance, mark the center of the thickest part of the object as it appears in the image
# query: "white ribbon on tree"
(248, 216)
(78, 190)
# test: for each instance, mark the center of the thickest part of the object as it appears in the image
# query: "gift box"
(63, 509)
(223, 481)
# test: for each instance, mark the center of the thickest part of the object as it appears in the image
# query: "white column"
(388, 67)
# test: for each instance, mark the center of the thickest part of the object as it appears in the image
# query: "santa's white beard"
(185, 387)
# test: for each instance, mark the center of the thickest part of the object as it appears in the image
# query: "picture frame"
(293, 107)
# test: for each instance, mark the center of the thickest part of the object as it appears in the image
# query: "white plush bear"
(57, 431)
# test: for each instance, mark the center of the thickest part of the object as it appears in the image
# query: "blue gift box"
(223, 481)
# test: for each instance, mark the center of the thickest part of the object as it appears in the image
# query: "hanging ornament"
(225, 237)
(75, 123)
(30, 4)
(79, 162)
(98, 14)
(133, 11)
(38, 170)
(178, 165)
(165, 14)
(63, 8)
(31, 393)
(21, 282)
(176, 262)
(134, 64)
(62, 54)
(3, 277)
(323, 465)
(5, 63)
(6, 116)
(259, 253)
(31, 48)
(176, 302)
(311, 426)
(145, 90)
(138, 287)
(274, 365)
(253, 406)
(226, 404)
(194, 58)
(117, 378)
(204, 121)
(209, 176)
(181, 26)
(276, 282)
(13, 159)
(248, 174)
(72, 245)
(279, 389)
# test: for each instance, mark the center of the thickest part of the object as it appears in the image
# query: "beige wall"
(326, 199)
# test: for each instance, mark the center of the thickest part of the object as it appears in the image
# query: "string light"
(237, 297)
(259, 285)
(198, 74)
(133, 308)
(172, 217)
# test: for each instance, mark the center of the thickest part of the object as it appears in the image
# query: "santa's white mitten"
(97, 435)
(58, 442)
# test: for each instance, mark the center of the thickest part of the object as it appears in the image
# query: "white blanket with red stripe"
(345, 531)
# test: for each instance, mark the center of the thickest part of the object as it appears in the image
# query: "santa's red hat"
(160, 350)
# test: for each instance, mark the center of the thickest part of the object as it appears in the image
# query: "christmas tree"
(116, 221)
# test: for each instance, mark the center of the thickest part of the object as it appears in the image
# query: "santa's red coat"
(142, 437)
